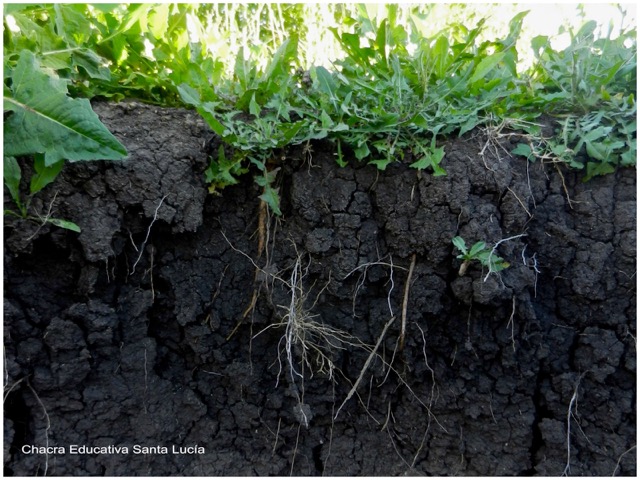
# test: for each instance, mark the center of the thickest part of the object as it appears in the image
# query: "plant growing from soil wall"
(480, 253)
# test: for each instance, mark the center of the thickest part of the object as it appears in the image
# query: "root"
(306, 345)
(46, 431)
(571, 411)
(493, 250)
(146, 238)
(44, 219)
(146, 385)
(362, 278)
(295, 452)
(534, 264)
(510, 322)
(405, 301)
(520, 202)
(263, 240)
(262, 227)
(365, 367)
(620, 459)
(564, 186)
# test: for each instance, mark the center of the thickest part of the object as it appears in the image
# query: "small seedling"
(480, 252)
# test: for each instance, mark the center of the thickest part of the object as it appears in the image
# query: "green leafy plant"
(389, 88)
(590, 87)
(478, 252)
(43, 121)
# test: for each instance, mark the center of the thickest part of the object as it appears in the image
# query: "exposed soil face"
(142, 330)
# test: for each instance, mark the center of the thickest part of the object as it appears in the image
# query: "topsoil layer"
(338, 339)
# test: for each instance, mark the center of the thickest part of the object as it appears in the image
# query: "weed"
(479, 252)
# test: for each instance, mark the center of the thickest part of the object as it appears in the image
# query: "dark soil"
(140, 331)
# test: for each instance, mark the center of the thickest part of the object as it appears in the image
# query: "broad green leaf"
(57, 60)
(597, 150)
(44, 174)
(12, 175)
(281, 60)
(221, 172)
(598, 168)
(254, 108)
(91, 63)
(629, 157)
(326, 83)
(189, 94)
(64, 224)
(242, 70)
(440, 52)
(135, 13)
(522, 149)
(469, 125)
(72, 23)
(381, 40)
(431, 159)
(271, 197)
(362, 150)
(538, 43)
(45, 120)
(207, 110)
(486, 65)
(290, 131)
(382, 163)
(325, 120)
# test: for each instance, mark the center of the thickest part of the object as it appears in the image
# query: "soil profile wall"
(339, 339)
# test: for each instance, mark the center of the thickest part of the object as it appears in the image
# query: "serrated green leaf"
(221, 171)
(629, 157)
(45, 120)
(159, 20)
(290, 131)
(598, 168)
(460, 244)
(271, 197)
(209, 112)
(597, 150)
(71, 22)
(325, 120)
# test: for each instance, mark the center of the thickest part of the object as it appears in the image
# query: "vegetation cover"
(392, 94)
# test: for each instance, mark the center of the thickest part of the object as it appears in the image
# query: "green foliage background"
(384, 85)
